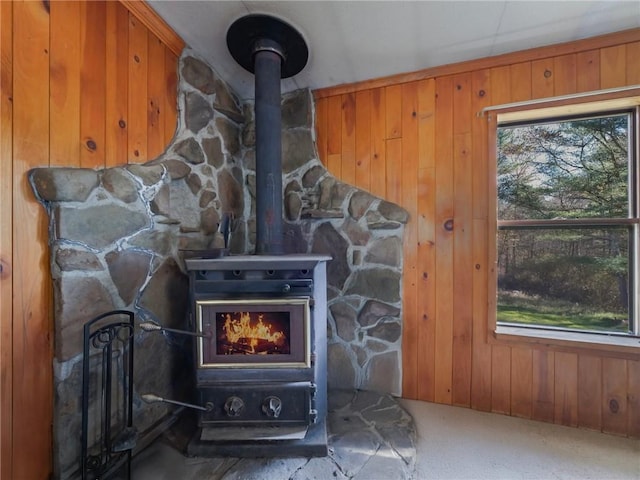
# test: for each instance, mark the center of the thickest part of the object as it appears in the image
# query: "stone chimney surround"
(118, 239)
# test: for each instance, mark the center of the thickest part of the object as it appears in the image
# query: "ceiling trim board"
(156, 25)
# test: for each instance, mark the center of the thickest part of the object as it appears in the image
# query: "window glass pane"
(564, 277)
(566, 169)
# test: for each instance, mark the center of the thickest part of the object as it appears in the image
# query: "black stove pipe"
(268, 117)
(271, 49)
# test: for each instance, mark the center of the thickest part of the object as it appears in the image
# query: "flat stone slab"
(371, 437)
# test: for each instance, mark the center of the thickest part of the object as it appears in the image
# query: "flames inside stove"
(271, 332)
(253, 333)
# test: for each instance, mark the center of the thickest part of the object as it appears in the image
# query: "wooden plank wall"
(417, 140)
(83, 84)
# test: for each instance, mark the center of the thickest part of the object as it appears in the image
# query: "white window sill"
(614, 344)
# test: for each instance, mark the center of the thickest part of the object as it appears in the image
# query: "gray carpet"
(459, 443)
(452, 443)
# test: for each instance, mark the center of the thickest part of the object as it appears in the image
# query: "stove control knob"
(233, 406)
(271, 406)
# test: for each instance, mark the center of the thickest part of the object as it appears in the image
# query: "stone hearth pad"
(371, 437)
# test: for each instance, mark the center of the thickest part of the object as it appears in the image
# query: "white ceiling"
(350, 41)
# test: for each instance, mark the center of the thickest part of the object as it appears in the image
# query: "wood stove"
(260, 354)
(261, 320)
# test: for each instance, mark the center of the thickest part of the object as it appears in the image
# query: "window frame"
(596, 103)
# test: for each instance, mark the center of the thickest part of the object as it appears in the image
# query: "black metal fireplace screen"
(108, 435)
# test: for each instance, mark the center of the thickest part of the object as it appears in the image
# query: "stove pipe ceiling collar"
(270, 49)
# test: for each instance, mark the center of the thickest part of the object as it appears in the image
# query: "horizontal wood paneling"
(65, 81)
(449, 355)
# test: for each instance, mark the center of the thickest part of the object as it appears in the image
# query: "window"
(568, 220)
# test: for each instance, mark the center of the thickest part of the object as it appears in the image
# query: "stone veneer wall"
(116, 237)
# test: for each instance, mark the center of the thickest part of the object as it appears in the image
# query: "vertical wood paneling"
(444, 216)
(425, 318)
(426, 124)
(543, 407)
(363, 140)
(117, 79)
(321, 129)
(393, 111)
(6, 240)
(448, 301)
(93, 84)
(500, 85)
(481, 352)
(348, 159)
(409, 200)
(634, 398)
(588, 68)
(137, 91)
(520, 74)
(32, 315)
(425, 315)
(501, 379)
(463, 269)
(378, 150)
(155, 94)
(462, 115)
(614, 396)
(65, 83)
(392, 172)
(521, 381)
(334, 136)
(632, 64)
(564, 74)
(566, 389)
(171, 89)
(542, 78)
(613, 66)
(334, 162)
(393, 125)
(500, 355)
(63, 79)
(590, 392)
(463, 249)
(334, 127)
